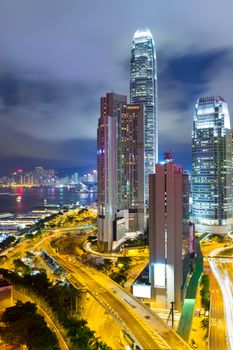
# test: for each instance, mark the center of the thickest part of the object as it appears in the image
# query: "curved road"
(217, 324)
(221, 312)
(146, 327)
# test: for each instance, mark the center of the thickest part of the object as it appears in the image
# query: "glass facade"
(107, 168)
(131, 164)
(211, 163)
(143, 90)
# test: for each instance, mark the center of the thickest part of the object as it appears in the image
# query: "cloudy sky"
(57, 57)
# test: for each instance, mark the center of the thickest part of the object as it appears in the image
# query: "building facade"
(168, 234)
(131, 164)
(120, 165)
(212, 166)
(143, 90)
(107, 168)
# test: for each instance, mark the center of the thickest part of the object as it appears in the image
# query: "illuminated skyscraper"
(107, 168)
(120, 164)
(131, 165)
(143, 90)
(212, 166)
(168, 233)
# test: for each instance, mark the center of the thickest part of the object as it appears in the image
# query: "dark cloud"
(62, 154)
(192, 72)
(57, 58)
(182, 79)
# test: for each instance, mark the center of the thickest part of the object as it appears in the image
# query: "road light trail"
(225, 285)
(151, 333)
(113, 296)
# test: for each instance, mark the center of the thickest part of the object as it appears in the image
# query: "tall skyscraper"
(168, 236)
(120, 164)
(212, 166)
(107, 168)
(143, 90)
(131, 164)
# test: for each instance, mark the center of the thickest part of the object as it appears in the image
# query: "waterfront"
(34, 197)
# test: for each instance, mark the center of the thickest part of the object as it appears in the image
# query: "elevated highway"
(144, 326)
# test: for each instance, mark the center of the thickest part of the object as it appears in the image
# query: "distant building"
(212, 166)
(20, 177)
(75, 179)
(168, 233)
(143, 90)
(5, 293)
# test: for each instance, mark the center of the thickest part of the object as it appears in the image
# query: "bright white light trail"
(225, 285)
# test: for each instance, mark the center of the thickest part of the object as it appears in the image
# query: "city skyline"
(108, 241)
(47, 91)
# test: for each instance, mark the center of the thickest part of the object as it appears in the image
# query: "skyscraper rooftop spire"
(143, 90)
(142, 33)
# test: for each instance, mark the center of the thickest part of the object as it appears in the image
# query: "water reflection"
(34, 197)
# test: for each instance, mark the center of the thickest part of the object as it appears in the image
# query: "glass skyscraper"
(143, 90)
(107, 168)
(120, 164)
(212, 166)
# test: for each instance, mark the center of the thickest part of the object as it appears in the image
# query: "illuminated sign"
(142, 291)
(159, 275)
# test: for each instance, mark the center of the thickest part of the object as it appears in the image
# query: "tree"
(205, 292)
(24, 326)
(205, 325)
(14, 313)
(119, 277)
(103, 346)
(125, 261)
(29, 236)
(81, 335)
(56, 296)
(30, 255)
(108, 265)
(20, 266)
(43, 338)
(205, 281)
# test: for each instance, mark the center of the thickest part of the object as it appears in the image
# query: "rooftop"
(213, 98)
(143, 33)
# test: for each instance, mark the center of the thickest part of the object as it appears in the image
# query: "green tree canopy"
(24, 326)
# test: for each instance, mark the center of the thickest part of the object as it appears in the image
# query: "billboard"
(159, 275)
(142, 291)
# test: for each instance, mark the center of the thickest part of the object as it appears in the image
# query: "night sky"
(57, 58)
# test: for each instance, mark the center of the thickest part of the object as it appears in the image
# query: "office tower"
(187, 237)
(212, 166)
(20, 177)
(130, 165)
(143, 90)
(76, 178)
(167, 236)
(120, 164)
(95, 175)
(107, 168)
